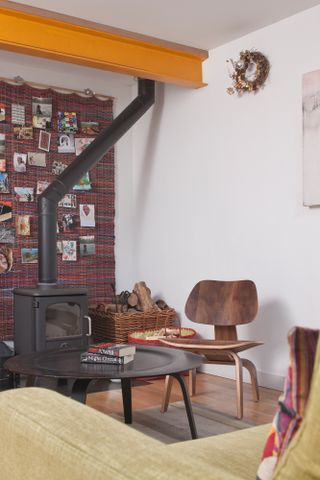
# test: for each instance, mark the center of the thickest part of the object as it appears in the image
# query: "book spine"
(97, 358)
(105, 351)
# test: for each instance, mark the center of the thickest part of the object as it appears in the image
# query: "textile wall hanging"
(41, 132)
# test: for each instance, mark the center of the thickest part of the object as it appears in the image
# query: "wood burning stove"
(50, 318)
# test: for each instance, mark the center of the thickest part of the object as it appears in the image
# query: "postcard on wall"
(2, 112)
(59, 246)
(23, 224)
(29, 255)
(36, 159)
(23, 133)
(58, 167)
(84, 183)
(6, 259)
(24, 194)
(69, 222)
(7, 233)
(5, 211)
(4, 183)
(87, 218)
(20, 162)
(18, 114)
(90, 128)
(3, 165)
(67, 122)
(66, 143)
(87, 245)
(68, 201)
(2, 144)
(44, 140)
(81, 144)
(41, 186)
(69, 250)
(41, 112)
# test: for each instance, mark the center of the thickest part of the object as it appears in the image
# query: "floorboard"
(213, 392)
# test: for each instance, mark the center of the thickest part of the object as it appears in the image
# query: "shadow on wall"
(143, 184)
(271, 327)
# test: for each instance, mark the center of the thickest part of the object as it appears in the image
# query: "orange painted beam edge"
(34, 35)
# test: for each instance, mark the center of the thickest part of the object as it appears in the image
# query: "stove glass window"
(63, 320)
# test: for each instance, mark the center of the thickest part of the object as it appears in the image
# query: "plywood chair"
(223, 304)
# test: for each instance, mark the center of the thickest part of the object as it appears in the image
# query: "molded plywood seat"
(223, 304)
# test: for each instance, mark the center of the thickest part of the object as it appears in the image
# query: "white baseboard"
(267, 380)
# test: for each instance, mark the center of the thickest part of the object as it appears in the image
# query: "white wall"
(121, 87)
(218, 188)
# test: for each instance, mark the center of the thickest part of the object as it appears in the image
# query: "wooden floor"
(213, 392)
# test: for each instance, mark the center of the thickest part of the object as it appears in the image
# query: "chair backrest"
(222, 303)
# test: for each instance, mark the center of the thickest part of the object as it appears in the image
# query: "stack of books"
(110, 353)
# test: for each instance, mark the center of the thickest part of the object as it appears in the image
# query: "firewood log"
(132, 299)
(145, 301)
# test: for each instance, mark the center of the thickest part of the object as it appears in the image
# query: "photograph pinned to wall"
(18, 114)
(59, 226)
(23, 225)
(7, 233)
(311, 138)
(87, 218)
(36, 159)
(3, 165)
(23, 133)
(2, 144)
(68, 201)
(41, 112)
(2, 112)
(70, 222)
(4, 183)
(59, 246)
(69, 250)
(20, 162)
(29, 255)
(24, 194)
(6, 259)
(5, 211)
(58, 167)
(66, 143)
(67, 122)
(81, 144)
(87, 245)
(41, 186)
(44, 140)
(84, 183)
(90, 128)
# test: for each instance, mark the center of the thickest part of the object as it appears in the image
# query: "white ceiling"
(198, 23)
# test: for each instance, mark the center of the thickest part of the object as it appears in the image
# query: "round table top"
(149, 361)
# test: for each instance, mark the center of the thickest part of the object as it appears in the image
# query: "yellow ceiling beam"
(51, 38)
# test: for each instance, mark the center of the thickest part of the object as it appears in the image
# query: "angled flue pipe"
(48, 200)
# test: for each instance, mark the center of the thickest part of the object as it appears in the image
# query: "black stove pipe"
(48, 200)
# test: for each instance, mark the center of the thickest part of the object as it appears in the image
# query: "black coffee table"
(148, 361)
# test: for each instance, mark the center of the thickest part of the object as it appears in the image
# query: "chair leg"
(192, 382)
(167, 393)
(239, 381)
(254, 378)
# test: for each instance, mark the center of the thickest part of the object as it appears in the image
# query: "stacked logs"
(139, 300)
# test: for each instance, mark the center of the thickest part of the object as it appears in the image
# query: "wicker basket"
(115, 327)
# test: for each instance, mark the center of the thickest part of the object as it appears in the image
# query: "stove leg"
(79, 390)
(187, 403)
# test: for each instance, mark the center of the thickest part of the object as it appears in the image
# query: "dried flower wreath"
(249, 72)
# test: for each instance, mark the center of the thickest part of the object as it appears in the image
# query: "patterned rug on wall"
(95, 271)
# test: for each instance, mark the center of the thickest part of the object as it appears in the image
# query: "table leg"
(31, 381)
(187, 404)
(79, 390)
(126, 399)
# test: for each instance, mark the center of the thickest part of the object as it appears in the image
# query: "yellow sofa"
(46, 436)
